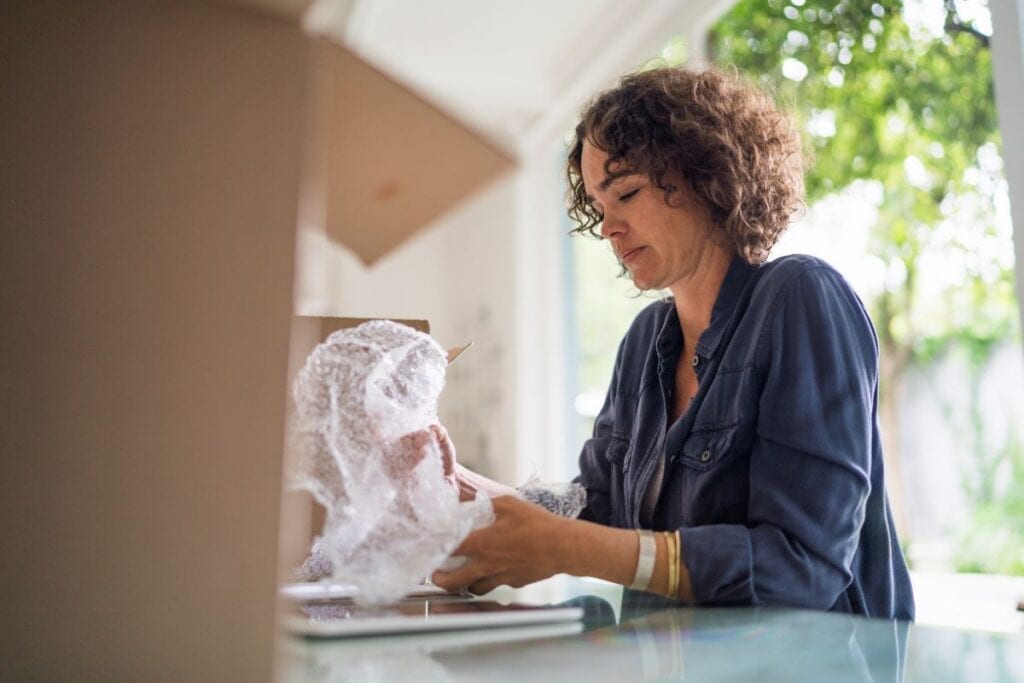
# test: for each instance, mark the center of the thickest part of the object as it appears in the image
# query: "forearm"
(602, 552)
(484, 484)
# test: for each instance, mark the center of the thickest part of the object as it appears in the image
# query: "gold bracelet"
(677, 559)
(671, 544)
(668, 557)
(668, 561)
(675, 563)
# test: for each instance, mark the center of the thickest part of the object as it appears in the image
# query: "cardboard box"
(153, 158)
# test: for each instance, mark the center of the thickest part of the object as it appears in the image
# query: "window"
(908, 199)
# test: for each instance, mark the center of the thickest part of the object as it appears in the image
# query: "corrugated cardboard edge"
(329, 325)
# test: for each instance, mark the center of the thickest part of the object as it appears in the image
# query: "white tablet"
(343, 618)
(323, 590)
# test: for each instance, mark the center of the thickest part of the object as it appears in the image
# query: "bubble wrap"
(360, 444)
(566, 499)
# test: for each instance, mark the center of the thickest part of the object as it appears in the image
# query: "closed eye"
(629, 195)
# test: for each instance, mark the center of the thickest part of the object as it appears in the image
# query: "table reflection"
(761, 643)
(654, 640)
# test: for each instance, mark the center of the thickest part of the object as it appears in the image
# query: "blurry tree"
(888, 99)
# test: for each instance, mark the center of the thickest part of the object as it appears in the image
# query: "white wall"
(458, 273)
(939, 447)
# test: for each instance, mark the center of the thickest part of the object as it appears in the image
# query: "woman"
(741, 420)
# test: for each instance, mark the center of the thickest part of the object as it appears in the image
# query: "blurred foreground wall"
(149, 173)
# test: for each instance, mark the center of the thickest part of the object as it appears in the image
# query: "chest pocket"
(707, 445)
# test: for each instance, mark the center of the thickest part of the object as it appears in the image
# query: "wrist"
(594, 550)
(565, 546)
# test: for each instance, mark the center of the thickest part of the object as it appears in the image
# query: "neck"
(696, 294)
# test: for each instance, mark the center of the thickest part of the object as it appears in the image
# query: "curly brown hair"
(739, 153)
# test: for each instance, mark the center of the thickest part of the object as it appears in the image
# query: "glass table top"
(626, 636)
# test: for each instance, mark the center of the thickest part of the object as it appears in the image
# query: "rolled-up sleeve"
(596, 474)
(810, 461)
(595, 470)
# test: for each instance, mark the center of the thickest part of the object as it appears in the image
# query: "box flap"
(385, 162)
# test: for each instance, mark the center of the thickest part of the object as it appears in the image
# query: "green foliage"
(892, 95)
(992, 540)
(885, 101)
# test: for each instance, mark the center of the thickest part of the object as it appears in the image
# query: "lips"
(629, 254)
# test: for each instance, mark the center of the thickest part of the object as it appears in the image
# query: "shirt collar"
(735, 282)
(669, 341)
(670, 338)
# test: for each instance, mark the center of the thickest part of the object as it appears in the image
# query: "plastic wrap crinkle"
(361, 444)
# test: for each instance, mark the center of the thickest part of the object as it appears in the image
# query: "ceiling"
(500, 64)
(506, 68)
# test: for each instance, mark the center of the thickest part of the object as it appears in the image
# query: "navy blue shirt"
(774, 474)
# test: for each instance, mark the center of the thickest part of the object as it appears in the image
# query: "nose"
(612, 226)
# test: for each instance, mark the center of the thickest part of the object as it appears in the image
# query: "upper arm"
(811, 460)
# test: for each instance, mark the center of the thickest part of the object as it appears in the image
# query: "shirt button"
(696, 360)
(705, 456)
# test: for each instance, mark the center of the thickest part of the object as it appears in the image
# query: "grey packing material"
(360, 443)
(566, 499)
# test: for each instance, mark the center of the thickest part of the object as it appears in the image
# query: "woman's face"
(661, 245)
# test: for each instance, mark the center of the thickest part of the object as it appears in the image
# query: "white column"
(1008, 70)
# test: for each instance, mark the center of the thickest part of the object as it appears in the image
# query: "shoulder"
(787, 271)
(805, 292)
(795, 277)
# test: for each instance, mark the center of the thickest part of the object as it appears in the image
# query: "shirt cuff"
(720, 561)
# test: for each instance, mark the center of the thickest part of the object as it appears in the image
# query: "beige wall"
(149, 176)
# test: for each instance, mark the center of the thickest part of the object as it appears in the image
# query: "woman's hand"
(523, 545)
(527, 543)
(452, 470)
(402, 456)
(408, 451)
(467, 482)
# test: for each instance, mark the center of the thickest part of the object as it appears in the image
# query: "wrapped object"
(361, 444)
(566, 499)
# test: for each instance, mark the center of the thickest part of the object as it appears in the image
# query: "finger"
(485, 585)
(439, 432)
(507, 502)
(447, 448)
(466, 491)
(457, 579)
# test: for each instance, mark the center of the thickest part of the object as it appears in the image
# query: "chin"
(644, 285)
